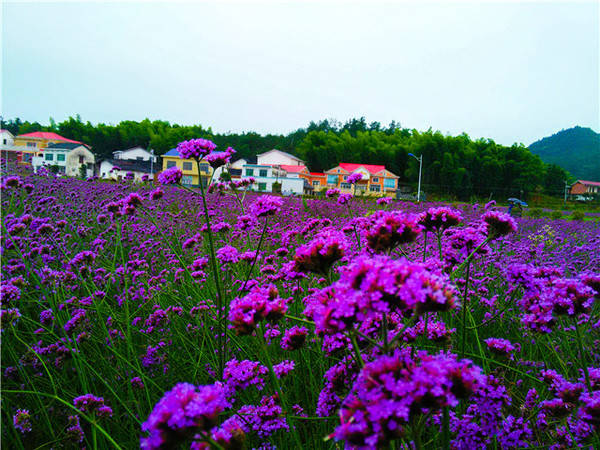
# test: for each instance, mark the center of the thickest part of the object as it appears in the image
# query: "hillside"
(577, 150)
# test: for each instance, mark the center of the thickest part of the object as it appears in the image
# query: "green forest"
(455, 166)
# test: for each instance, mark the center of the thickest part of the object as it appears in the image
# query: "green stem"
(464, 313)
(359, 358)
(580, 345)
(424, 245)
(256, 253)
(213, 261)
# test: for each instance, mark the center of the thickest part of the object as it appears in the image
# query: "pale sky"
(510, 71)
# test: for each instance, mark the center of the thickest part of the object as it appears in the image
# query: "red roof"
(371, 168)
(292, 169)
(589, 183)
(317, 174)
(49, 136)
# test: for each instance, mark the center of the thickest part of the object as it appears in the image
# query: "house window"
(332, 179)
(139, 158)
(389, 183)
(375, 188)
(204, 168)
(31, 144)
(262, 173)
(346, 186)
(249, 172)
(49, 157)
(187, 166)
(315, 183)
(375, 180)
(4, 141)
(81, 159)
(262, 186)
(60, 157)
(186, 179)
(345, 177)
(171, 164)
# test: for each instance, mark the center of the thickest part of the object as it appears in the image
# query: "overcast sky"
(514, 72)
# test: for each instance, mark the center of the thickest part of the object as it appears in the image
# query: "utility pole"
(420, 159)
(566, 190)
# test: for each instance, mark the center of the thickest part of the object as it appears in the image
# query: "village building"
(136, 163)
(68, 158)
(376, 179)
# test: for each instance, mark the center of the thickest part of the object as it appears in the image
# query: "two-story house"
(136, 161)
(189, 167)
(32, 144)
(67, 158)
(376, 179)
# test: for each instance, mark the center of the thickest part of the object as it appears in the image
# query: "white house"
(67, 157)
(6, 138)
(135, 162)
(277, 158)
(135, 154)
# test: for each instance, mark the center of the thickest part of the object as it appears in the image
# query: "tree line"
(452, 165)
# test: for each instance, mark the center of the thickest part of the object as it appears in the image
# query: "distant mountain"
(576, 150)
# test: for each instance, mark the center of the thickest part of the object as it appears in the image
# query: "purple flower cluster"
(392, 390)
(195, 148)
(261, 303)
(321, 253)
(170, 176)
(182, 412)
(438, 219)
(387, 230)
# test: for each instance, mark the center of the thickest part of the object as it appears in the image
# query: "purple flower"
(392, 390)
(502, 346)
(294, 338)
(170, 176)
(319, 254)
(195, 148)
(332, 192)
(74, 431)
(181, 412)
(228, 254)
(384, 201)
(437, 219)
(22, 421)
(498, 224)
(343, 199)
(218, 159)
(590, 410)
(259, 304)
(387, 230)
(354, 177)
(263, 419)
(89, 403)
(240, 375)
(266, 205)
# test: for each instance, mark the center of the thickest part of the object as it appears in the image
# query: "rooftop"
(48, 135)
(589, 183)
(371, 168)
(292, 169)
(64, 145)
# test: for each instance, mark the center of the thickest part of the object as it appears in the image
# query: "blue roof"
(172, 152)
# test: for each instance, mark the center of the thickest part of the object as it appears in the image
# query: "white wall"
(295, 185)
(276, 158)
(134, 153)
(6, 135)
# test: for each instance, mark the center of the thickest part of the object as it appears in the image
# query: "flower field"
(162, 317)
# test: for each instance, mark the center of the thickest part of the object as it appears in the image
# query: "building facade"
(67, 158)
(191, 177)
(585, 190)
(277, 158)
(33, 144)
(376, 179)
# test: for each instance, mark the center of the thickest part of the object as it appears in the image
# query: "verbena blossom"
(498, 224)
(265, 418)
(90, 403)
(321, 253)
(22, 421)
(370, 287)
(261, 303)
(388, 229)
(266, 205)
(441, 218)
(354, 177)
(294, 338)
(240, 375)
(343, 199)
(170, 176)
(391, 391)
(182, 412)
(218, 159)
(502, 347)
(195, 148)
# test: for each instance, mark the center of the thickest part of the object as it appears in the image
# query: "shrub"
(577, 215)
(555, 215)
(536, 213)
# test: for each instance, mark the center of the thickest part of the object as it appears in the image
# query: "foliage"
(453, 166)
(577, 215)
(576, 149)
